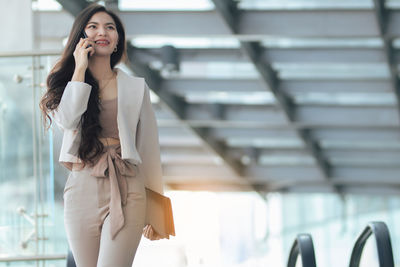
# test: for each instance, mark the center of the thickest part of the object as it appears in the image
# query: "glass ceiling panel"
(396, 43)
(278, 42)
(184, 42)
(264, 142)
(305, 4)
(157, 41)
(48, 5)
(392, 4)
(168, 158)
(344, 98)
(126, 5)
(365, 161)
(359, 144)
(286, 160)
(226, 97)
(180, 141)
(211, 70)
(331, 71)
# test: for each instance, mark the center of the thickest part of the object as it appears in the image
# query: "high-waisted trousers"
(87, 220)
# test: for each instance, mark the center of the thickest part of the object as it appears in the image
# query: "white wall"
(17, 26)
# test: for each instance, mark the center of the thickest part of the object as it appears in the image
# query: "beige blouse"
(108, 118)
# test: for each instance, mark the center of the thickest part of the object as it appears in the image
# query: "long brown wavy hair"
(90, 146)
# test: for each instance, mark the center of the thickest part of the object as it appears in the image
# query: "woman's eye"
(111, 27)
(91, 26)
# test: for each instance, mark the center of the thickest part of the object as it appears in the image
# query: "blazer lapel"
(130, 96)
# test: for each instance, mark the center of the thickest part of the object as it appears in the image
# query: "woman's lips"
(102, 43)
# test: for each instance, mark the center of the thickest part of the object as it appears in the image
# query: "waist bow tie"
(111, 165)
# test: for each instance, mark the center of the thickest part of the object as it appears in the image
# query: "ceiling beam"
(73, 6)
(270, 79)
(112, 4)
(381, 15)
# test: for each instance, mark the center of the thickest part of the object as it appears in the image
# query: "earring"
(115, 49)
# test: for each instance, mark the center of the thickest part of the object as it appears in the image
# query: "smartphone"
(84, 35)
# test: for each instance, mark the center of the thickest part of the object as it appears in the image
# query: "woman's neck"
(100, 68)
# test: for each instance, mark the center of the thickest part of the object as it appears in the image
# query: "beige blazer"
(136, 124)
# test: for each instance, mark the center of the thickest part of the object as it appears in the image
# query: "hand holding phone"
(85, 37)
(84, 46)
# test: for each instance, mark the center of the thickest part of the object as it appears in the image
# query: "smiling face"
(101, 28)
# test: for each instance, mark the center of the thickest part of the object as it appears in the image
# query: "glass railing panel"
(31, 223)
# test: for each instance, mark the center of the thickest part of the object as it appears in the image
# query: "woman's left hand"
(149, 233)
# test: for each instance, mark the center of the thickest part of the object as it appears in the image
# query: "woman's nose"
(101, 31)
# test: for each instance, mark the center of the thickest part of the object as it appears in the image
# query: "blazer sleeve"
(72, 105)
(147, 144)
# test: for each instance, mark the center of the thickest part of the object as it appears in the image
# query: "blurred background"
(276, 117)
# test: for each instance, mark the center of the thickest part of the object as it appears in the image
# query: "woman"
(110, 142)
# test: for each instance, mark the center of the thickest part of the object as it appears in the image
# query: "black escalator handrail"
(383, 244)
(303, 245)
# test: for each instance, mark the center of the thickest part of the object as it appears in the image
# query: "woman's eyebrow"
(108, 23)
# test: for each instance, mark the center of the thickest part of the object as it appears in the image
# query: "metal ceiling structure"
(279, 97)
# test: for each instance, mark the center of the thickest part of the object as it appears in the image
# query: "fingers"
(154, 234)
(88, 42)
(81, 53)
(79, 44)
(84, 43)
(149, 233)
(89, 46)
(146, 231)
(90, 50)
